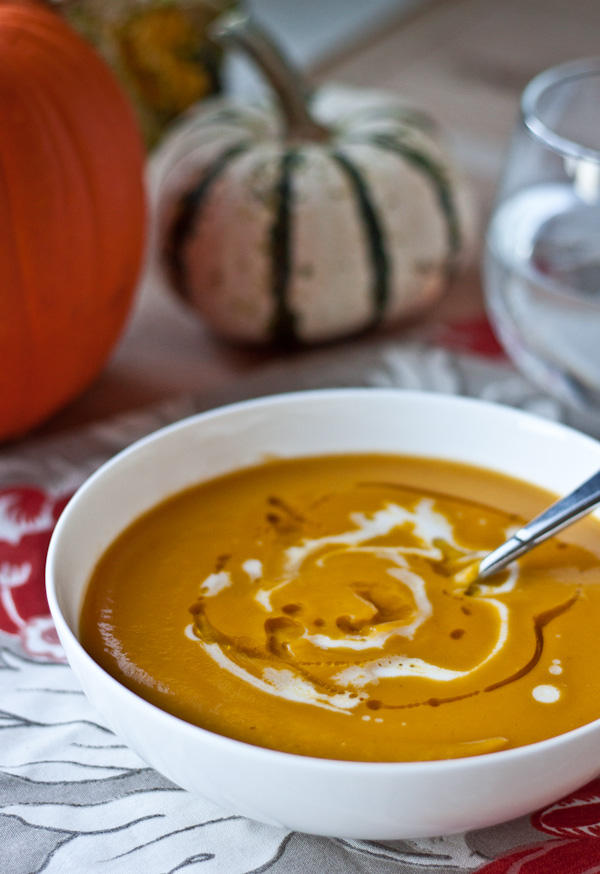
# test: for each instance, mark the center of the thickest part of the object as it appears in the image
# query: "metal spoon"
(558, 516)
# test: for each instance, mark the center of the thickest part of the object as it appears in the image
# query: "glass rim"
(537, 128)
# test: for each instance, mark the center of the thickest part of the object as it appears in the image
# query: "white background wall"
(311, 30)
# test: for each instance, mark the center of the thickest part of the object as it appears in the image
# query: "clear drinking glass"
(542, 263)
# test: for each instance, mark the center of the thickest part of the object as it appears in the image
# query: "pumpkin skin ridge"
(14, 267)
(95, 260)
(131, 269)
(435, 175)
(259, 169)
(404, 117)
(189, 214)
(67, 56)
(76, 159)
(282, 329)
(418, 267)
(327, 281)
(378, 255)
(94, 226)
(35, 318)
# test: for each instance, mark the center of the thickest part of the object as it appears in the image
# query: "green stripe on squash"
(283, 325)
(188, 215)
(378, 256)
(436, 175)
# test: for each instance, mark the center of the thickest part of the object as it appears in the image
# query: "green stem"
(236, 30)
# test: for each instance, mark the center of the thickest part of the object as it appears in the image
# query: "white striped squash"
(288, 240)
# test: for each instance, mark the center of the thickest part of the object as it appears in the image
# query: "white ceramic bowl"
(337, 798)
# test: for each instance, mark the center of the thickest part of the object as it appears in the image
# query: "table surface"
(71, 797)
(464, 61)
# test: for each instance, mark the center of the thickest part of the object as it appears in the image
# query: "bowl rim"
(256, 751)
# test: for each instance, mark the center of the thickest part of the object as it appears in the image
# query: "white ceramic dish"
(337, 798)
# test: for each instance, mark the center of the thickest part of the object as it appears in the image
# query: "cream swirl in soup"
(323, 606)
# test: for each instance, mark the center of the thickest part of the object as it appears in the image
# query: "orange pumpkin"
(72, 213)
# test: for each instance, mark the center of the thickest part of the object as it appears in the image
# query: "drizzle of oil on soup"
(315, 606)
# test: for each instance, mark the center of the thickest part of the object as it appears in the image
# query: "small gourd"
(72, 213)
(307, 221)
(158, 50)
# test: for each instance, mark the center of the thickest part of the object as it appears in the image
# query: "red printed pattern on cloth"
(27, 518)
(468, 335)
(574, 823)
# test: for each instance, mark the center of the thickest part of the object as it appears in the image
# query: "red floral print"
(574, 816)
(574, 823)
(27, 518)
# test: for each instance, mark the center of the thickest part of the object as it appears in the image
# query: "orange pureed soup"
(322, 606)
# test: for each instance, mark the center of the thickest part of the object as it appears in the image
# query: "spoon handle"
(562, 513)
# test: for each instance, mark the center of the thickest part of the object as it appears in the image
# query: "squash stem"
(236, 30)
